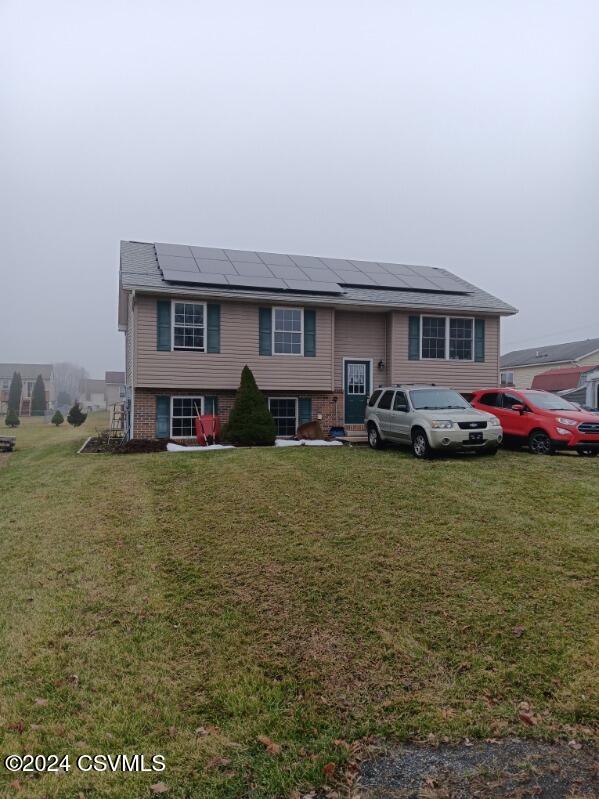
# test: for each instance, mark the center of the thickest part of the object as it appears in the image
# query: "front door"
(357, 389)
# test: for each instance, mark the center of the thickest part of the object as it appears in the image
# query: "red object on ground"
(207, 429)
(529, 413)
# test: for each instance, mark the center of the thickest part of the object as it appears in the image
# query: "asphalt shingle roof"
(28, 371)
(554, 353)
(139, 270)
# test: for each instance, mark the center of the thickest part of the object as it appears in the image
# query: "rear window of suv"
(386, 400)
(373, 397)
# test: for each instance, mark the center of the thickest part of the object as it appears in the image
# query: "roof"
(554, 353)
(437, 289)
(28, 371)
(560, 379)
(91, 386)
(114, 377)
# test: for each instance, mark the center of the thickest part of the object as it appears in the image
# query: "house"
(29, 373)
(115, 387)
(569, 382)
(92, 395)
(318, 333)
(519, 368)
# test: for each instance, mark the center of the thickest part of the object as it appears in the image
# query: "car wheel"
(588, 453)
(374, 437)
(420, 446)
(539, 443)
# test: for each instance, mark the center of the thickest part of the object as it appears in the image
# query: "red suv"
(545, 421)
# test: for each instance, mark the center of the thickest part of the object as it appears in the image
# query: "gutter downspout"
(132, 360)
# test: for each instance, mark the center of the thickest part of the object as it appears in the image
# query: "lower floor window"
(284, 412)
(183, 412)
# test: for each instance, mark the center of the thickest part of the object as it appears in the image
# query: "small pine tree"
(12, 418)
(14, 393)
(38, 397)
(58, 418)
(250, 421)
(76, 416)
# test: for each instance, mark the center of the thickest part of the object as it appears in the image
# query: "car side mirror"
(518, 407)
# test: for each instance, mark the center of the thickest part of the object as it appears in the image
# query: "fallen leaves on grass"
(518, 631)
(271, 747)
(41, 702)
(329, 769)
(159, 787)
(525, 714)
(218, 762)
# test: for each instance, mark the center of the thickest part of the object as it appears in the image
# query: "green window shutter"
(213, 344)
(211, 404)
(479, 340)
(304, 410)
(310, 333)
(163, 325)
(265, 331)
(414, 338)
(163, 417)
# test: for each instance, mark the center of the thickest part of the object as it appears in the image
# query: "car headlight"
(494, 422)
(568, 422)
(562, 432)
(442, 424)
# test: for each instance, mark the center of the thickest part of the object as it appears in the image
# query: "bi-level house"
(318, 333)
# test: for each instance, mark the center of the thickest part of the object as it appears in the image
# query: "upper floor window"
(288, 331)
(507, 378)
(189, 326)
(447, 338)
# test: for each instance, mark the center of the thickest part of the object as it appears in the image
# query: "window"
(447, 338)
(437, 399)
(511, 399)
(460, 339)
(189, 325)
(433, 337)
(507, 378)
(356, 378)
(284, 412)
(492, 400)
(386, 400)
(183, 412)
(401, 402)
(6, 384)
(373, 397)
(287, 331)
(548, 401)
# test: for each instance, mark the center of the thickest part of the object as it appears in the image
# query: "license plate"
(475, 436)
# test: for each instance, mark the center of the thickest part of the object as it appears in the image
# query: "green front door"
(356, 388)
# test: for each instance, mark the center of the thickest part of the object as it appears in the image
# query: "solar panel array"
(300, 273)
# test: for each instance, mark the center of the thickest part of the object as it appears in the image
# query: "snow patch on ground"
(180, 448)
(286, 442)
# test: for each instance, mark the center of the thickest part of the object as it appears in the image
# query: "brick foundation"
(323, 404)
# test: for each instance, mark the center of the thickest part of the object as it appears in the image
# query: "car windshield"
(548, 402)
(437, 399)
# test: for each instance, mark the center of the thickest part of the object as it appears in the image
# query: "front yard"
(189, 605)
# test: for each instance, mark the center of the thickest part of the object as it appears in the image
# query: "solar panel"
(305, 273)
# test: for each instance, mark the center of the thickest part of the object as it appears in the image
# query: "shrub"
(76, 416)
(12, 418)
(38, 397)
(14, 393)
(58, 418)
(250, 421)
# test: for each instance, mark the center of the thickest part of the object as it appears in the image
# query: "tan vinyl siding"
(360, 335)
(524, 375)
(461, 375)
(238, 346)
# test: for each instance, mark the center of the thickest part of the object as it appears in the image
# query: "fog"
(458, 134)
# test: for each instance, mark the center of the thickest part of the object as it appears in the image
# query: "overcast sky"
(456, 134)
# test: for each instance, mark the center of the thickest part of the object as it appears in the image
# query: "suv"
(429, 418)
(544, 421)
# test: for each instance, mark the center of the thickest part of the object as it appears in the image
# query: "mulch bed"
(100, 443)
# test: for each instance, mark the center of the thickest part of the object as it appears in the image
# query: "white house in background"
(591, 381)
(29, 373)
(115, 387)
(520, 367)
(92, 395)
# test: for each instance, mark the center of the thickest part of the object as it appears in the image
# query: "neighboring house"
(115, 387)
(569, 382)
(92, 395)
(590, 380)
(519, 368)
(29, 373)
(318, 333)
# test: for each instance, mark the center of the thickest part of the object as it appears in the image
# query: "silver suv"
(429, 418)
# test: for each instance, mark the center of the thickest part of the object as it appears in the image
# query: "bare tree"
(68, 377)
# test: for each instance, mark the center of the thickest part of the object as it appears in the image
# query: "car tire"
(421, 449)
(539, 443)
(588, 453)
(374, 437)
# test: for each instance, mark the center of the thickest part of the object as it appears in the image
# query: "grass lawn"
(186, 605)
